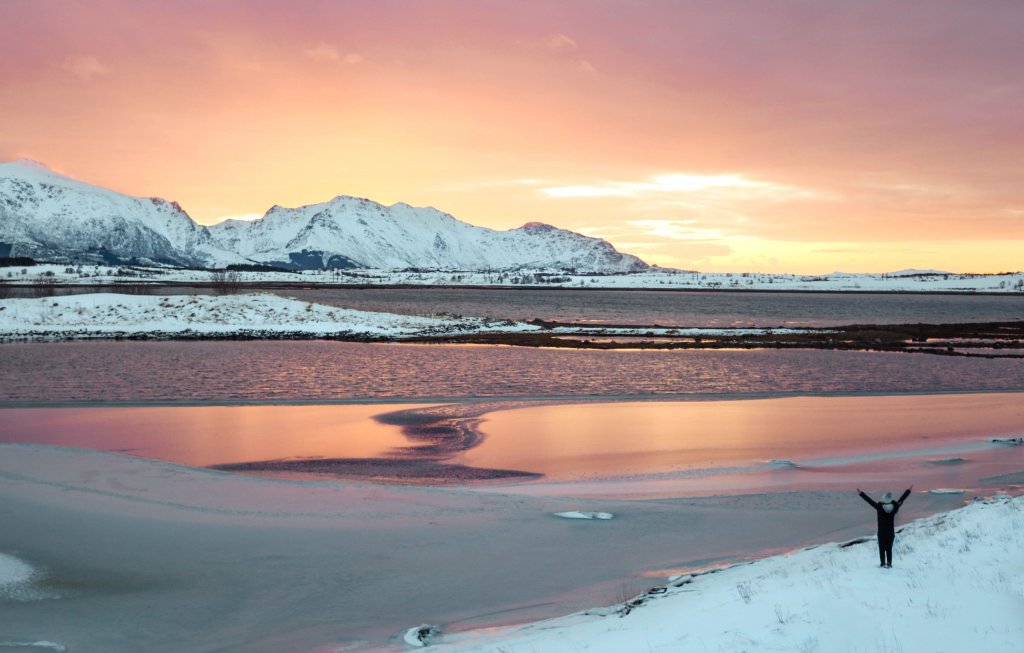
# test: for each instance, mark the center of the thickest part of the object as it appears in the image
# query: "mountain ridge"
(46, 214)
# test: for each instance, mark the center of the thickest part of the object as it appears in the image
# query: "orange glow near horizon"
(802, 138)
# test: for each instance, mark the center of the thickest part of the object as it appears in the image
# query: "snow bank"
(107, 315)
(957, 585)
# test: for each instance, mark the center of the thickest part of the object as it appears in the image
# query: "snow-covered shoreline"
(269, 316)
(264, 315)
(957, 584)
(904, 281)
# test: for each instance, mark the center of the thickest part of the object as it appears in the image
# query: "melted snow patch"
(13, 572)
(42, 644)
(582, 514)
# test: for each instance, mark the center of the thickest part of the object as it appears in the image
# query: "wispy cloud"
(678, 230)
(86, 67)
(680, 183)
(323, 52)
(559, 42)
(330, 53)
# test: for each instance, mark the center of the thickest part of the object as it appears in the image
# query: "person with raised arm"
(886, 509)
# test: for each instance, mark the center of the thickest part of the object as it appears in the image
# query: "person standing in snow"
(886, 509)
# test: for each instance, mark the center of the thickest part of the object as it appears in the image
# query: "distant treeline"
(255, 267)
(16, 261)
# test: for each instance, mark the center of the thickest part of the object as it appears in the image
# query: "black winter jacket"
(886, 520)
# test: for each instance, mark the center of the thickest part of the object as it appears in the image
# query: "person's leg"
(881, 552)
(885, 546)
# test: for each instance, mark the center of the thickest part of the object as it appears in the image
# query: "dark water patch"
(437, 432)
(1000, 480)
(227, 372)
(443, 431)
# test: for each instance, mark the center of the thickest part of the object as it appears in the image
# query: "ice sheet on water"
(41, 645)
(584, 514)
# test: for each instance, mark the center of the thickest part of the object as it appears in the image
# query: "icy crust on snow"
(107, 315)
(957, 584)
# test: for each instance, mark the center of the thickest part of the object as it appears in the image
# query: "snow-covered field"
(265, 315)
(108, 315)
(957, 584)
(656, 278)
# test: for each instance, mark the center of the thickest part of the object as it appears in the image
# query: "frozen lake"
(134, 553)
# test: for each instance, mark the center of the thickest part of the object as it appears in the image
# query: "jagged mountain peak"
(539, 226)
(29, 164)
(73, 219)
(32, 171)
(47, 215)
(357, 232)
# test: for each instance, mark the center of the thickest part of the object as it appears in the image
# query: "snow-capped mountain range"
(46, 215)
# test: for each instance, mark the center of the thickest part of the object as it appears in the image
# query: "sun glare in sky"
(723, 136)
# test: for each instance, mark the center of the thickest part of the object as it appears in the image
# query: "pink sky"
(785, 136)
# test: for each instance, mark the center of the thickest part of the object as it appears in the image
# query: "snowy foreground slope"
(957, 584)
(105, 315)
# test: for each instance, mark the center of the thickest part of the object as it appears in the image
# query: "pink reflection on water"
(209, 435)
(652, 448)
(753, 445)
